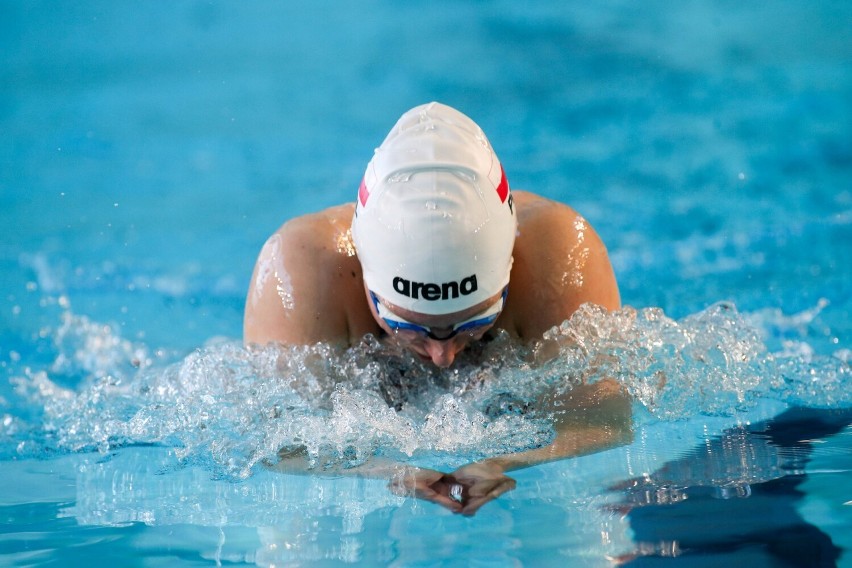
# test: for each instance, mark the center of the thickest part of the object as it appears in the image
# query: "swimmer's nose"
(443, 353)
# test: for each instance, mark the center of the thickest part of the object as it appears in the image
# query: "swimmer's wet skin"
(424, 259)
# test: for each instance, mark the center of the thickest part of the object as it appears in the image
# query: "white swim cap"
(435, 225)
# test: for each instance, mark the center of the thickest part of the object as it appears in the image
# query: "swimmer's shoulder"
(551, 233)
(307, 283)
(317, 246)
(560, 263)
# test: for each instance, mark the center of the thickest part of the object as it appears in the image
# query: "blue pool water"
(147, 151)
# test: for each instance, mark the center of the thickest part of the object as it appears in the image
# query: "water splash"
(232, 408)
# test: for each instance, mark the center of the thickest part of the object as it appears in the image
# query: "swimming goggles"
(481, 319)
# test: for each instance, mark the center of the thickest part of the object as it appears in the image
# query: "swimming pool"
(148, 151)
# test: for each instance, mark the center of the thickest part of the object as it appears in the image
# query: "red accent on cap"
(363, 193)
(503, 188)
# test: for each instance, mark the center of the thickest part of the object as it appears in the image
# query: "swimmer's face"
(443, 336)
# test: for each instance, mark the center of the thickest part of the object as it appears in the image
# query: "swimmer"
(435, 253)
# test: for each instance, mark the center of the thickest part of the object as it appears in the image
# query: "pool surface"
(147, 151)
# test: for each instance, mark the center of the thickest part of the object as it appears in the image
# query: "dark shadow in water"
(733, 501)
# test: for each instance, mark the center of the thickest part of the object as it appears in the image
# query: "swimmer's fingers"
(425, 484)
(480, 494)
(429, 494)
(483, 482)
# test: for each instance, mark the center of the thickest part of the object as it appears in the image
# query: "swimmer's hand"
(429, 485)
(463, 491)
(481, 482)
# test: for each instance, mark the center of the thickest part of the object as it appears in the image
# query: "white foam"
(233, 408)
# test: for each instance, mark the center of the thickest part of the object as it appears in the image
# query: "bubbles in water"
(91, 348)
(233, 408)
(712, 362)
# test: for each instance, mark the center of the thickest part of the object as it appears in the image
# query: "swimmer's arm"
(587, 419)
(403, 480)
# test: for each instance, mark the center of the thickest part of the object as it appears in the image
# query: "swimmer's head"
(434, 224)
